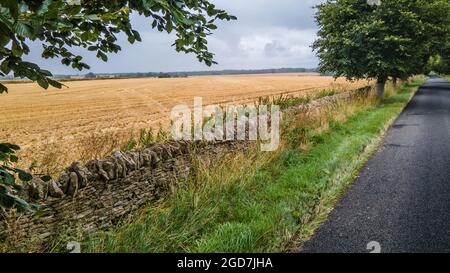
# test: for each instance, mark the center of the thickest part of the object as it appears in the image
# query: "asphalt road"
(401, 199)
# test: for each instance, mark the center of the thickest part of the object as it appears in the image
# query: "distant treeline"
(92, 75)
(195, 73)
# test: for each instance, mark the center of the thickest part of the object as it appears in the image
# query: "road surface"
(401, 200)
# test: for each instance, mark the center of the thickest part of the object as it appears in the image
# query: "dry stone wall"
(329, 101)
(98, 194)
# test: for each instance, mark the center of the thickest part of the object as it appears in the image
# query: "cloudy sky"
(267, 34)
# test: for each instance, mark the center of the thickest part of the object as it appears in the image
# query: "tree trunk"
(394, 82)
(380, 88)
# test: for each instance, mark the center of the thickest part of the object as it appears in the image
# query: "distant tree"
(440, 62)
(90, 75)
(62, 25)
(434, 16)
(394, 39)
(164, 75)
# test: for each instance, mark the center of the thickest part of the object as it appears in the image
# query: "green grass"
(270, 207)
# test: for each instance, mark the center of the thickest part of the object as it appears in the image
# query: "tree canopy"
(394, 39)
(62, 25)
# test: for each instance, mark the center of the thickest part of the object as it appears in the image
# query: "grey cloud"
(274, 49)
(261, 13)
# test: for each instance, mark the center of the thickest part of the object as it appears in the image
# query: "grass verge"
(260, 202)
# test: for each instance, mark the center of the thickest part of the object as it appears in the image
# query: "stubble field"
(89, 118)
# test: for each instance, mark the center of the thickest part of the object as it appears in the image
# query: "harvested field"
(55, 127)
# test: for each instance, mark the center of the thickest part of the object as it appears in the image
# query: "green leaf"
(6, 148)
(54, 83)
(23, 175)
(16, 49)
(18, 187)
(46, 178)
(44, 7)
(14, 147)
(13, 158)
(169, 27)
(3, 89)
(9, 148)
(12, 6)
(4, 67)
(93, 17)
(21, 204)
(43, 83)
(137, 36)
(45, 72)
(65, 61)
(30, 65)
(102, 56)
(36, 207)
(7, 177)
(6, 201)
(23, 30)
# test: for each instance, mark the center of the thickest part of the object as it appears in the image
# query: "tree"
(439, 64)
(394, 39)
(90, 75)
(61, 25)
(435, 18)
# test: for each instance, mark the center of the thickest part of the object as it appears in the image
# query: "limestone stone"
(54, 190)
